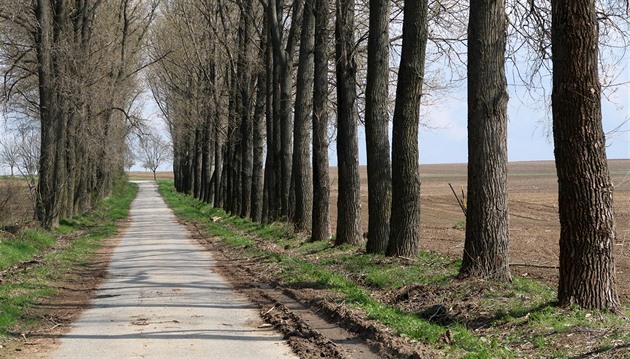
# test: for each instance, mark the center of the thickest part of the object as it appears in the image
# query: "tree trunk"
(349, 201)
(218, 161)
(259, 147)
(585, 201)
(283, 62)
(321, 181)
(47, 199)
(405, 221)
(486, 244)
(197, 162)
(258, 174)
(270, 195)
(376, 128)
(301, 172)
(207, 158)
(246, 129)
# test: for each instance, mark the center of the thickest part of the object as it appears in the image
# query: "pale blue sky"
(528, 131)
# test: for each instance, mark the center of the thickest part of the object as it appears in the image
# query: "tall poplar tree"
(585, 192)
(376, 128)
(405, 221)
(349, 199)
(486, 244)
(321, 180)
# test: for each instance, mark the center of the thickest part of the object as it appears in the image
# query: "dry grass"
(16, 201)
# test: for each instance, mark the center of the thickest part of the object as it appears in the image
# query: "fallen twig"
(546, 266)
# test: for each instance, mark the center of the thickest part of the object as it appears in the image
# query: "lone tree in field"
(9, 153)
(153, 151)
(405, 221)
(587, 223)
(486, 244)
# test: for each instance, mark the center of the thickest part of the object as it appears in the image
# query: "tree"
(349, 200)
(72, 66)
(585, 201)
(10, 153)
(283, 66)
(246, 82)
(153, 151)
(405, 221)
(321, 180)
(377, 128)
(486, 244)
(301, 171)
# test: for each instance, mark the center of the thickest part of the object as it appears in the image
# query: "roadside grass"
(419, 298)
(30, 264)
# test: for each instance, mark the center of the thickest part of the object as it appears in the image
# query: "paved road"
(163, 300)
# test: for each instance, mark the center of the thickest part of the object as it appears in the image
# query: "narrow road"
(162, 299)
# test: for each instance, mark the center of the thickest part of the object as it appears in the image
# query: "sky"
(529, 135)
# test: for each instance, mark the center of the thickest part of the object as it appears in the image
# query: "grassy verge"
(420, 299)
(30, 264)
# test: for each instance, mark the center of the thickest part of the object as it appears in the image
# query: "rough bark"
(405, 221)
(246, 129)
(349, 200)
(487, 237)
(217, 178)
(283, 60)
(302, 172)
(376, 128)
(47, 201)
(321, 180)
(585, 201)
(197, 163)
(259, 146)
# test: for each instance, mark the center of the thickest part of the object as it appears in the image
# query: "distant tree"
(153, 151)
(486, 244)
(28, 152)
(349, 200)
(10, 153)
(377, 128)
(405, 221)
(585, 192)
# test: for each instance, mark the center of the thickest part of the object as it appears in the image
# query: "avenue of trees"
(255, 92)
(70, 69)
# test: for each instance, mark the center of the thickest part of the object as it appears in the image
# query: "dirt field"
(533, 208)
(16, 206)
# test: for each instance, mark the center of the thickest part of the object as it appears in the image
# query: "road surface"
(162, 299)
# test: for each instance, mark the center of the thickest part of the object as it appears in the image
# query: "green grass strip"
(25, 287)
